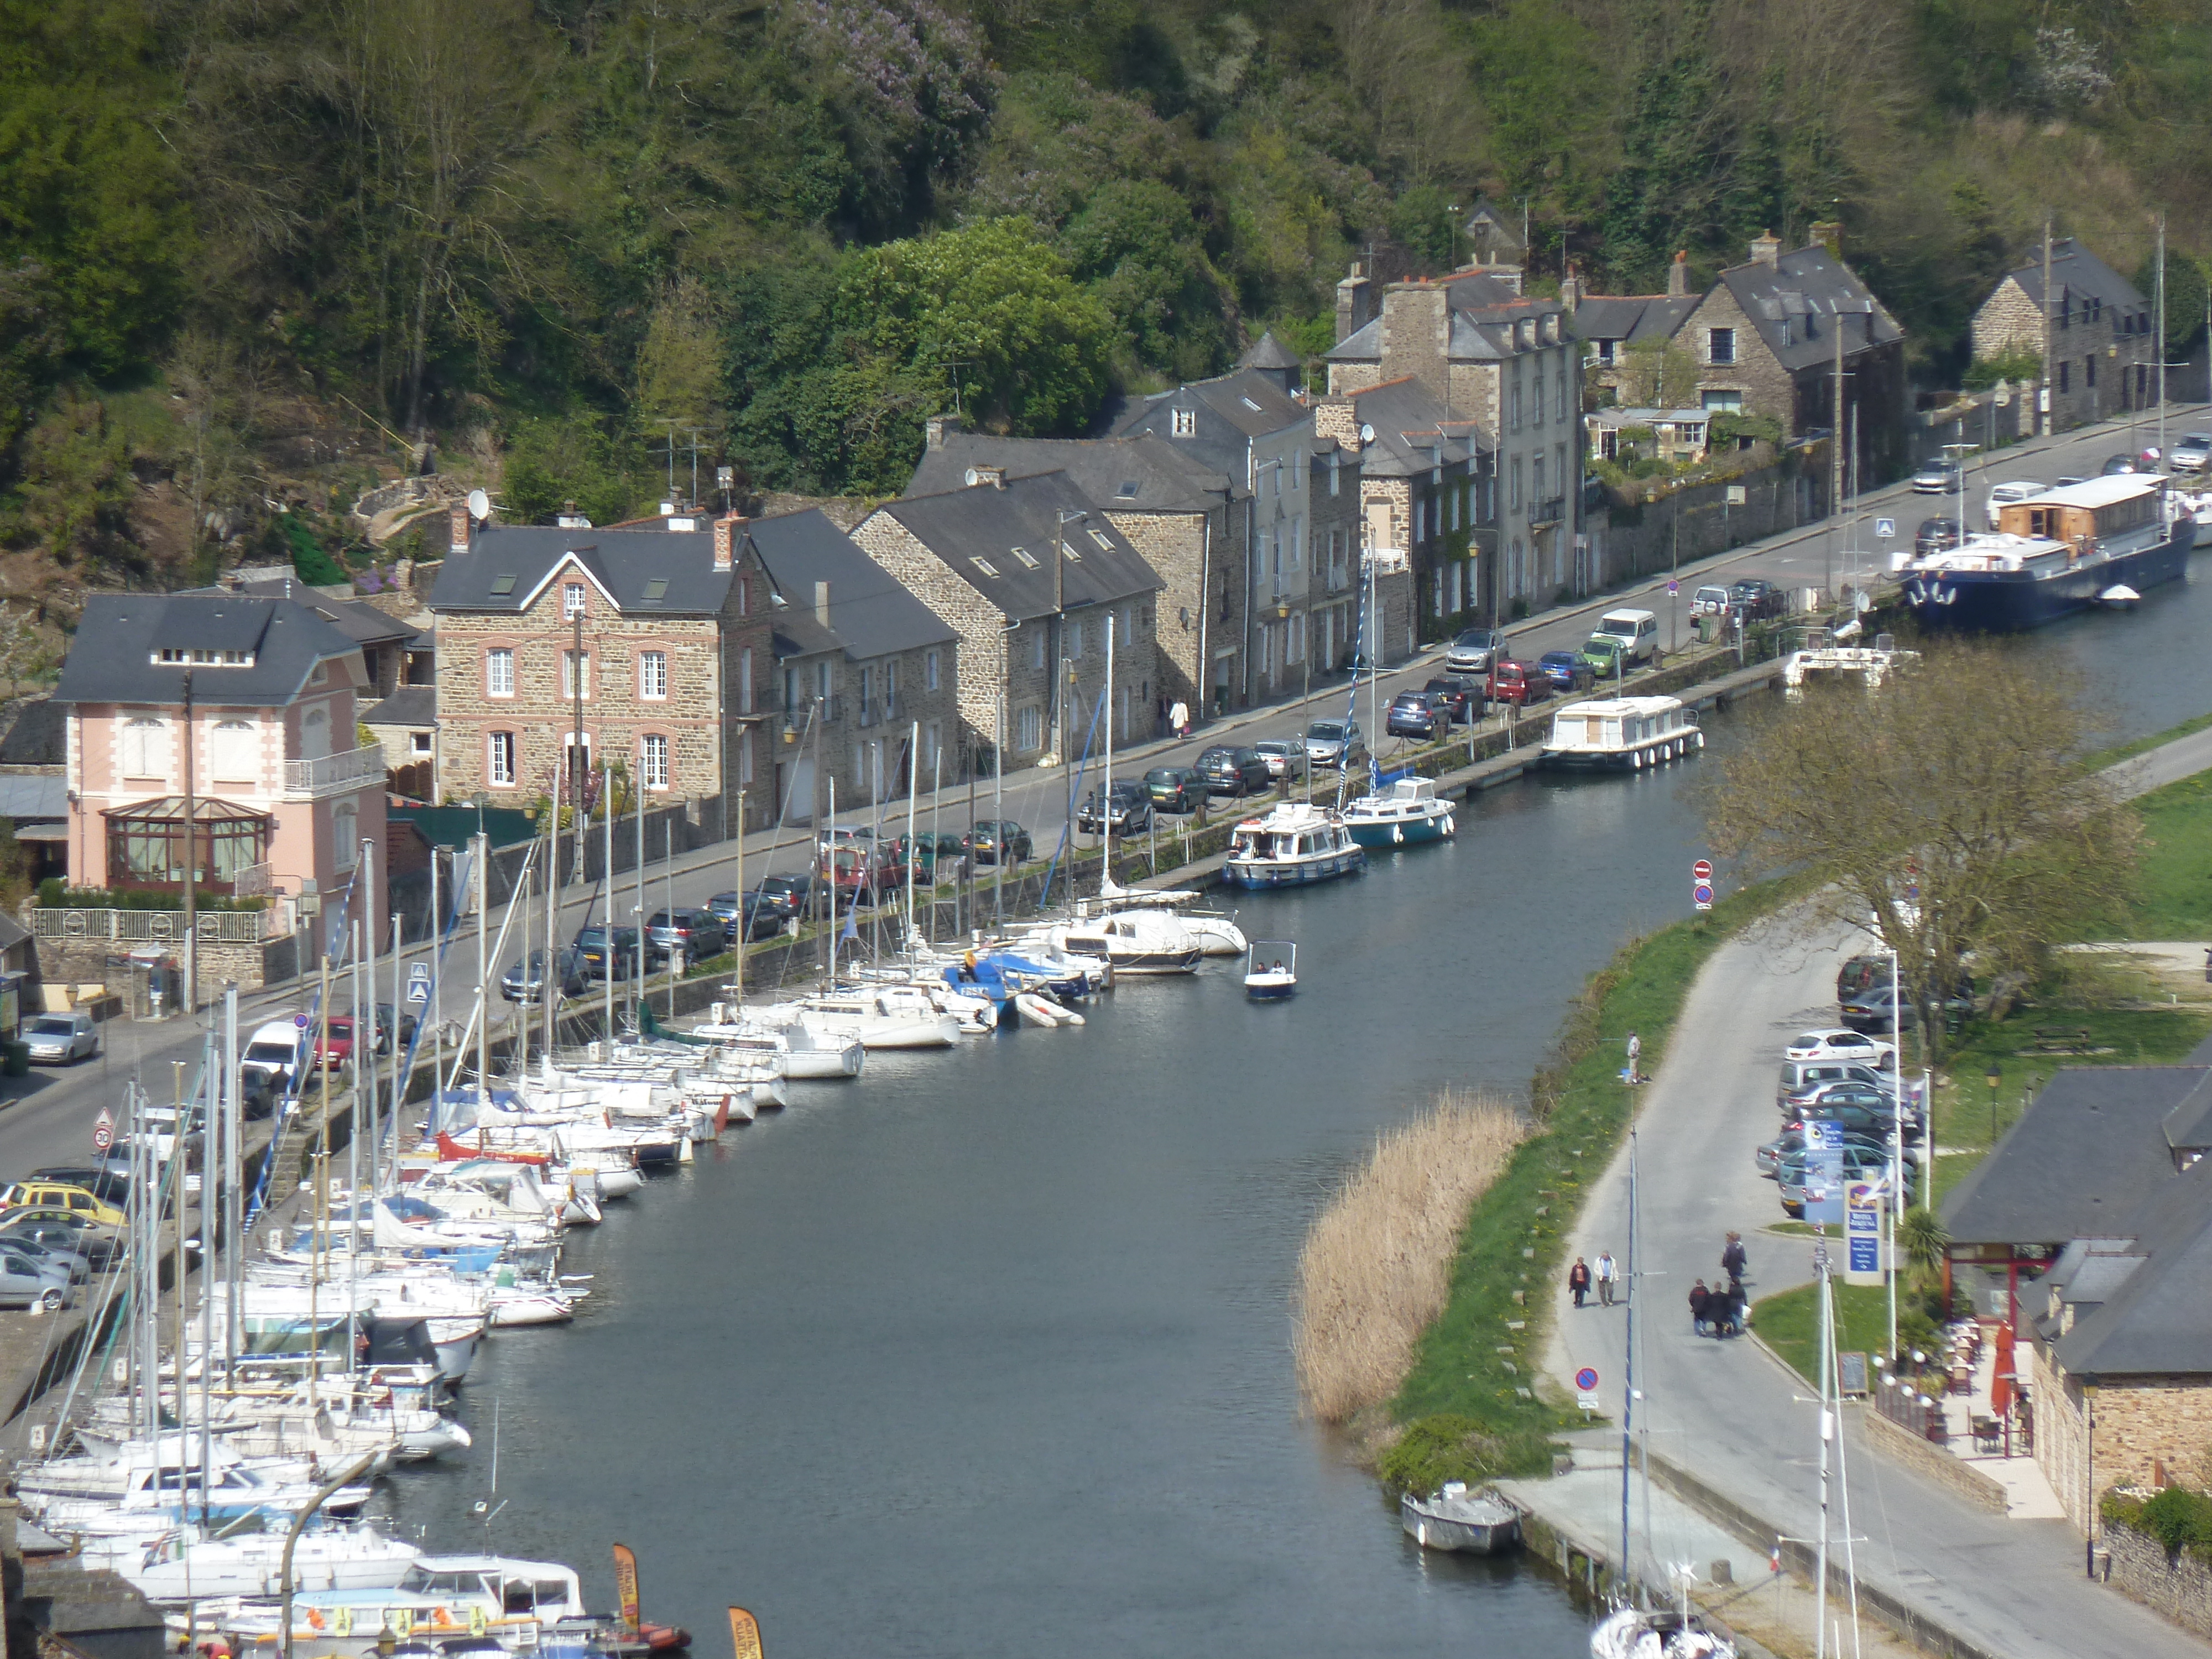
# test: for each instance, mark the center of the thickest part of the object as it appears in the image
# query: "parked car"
(390, 1026)
(1606, 658)
(602, 952)
(997, 839)
(333, 1038)
(2191, 450)
(1859, 972)
(1872, 1010)
(1936, 535)
(1332, 743)
(790, 896)
(1285, 758)
(1709, 601)
(762, 918)
(59, 1195)
(2116, 466)
(1461, 695)
(526, 981)
(22, 1285)
(1936, 478)
(96, 1246)
(1567, 671)
(1414, 714)
(1756, 600)
(60, 1039)
(1790, 1178)
(1176, 788)
(1802, 1081)
(698, 931)
(273, 1054)
(861, 873)
(2011, 493)
(2067, 482)
(60, 1255)
(841, 835)
(98, 1180)
(1127, 812)
(1770, 1156)
(1232, 769)
(1518, 682)
(1839, 1042)
(1637, 631)
(1852, 1120)
(1472, 650)
(936, 857)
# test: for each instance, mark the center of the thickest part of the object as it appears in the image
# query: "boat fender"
(1397, 835)
(1451, 827)
(1073, 1018)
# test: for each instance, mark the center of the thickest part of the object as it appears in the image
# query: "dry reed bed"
(1377, 1266)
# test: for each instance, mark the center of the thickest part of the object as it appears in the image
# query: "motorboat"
(180, 1567)
(1455, 1519)
(1142, 943)
(1217, 933)
(438, 1598)
(796, 1051)
(1406, 814)
(1627, 732)
(1295, 844)
(1661, 1633)
(868, 1017)
(1271, 971)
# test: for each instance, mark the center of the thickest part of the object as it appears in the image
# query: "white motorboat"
(1452, 1519)
(1139, 943)
(869, 1018)
(1217, 933)
(797, 1052)
(1296, 844)
(1633, 733)
(180, 1567)
(1406, 814)
(1270, 972)
(439, 1599)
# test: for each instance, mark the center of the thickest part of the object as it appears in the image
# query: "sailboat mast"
(1628, 1376)
(1828, 1428)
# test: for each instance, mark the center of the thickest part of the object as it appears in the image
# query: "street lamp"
(1993, 1079)
(1454, 211)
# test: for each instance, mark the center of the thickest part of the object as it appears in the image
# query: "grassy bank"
(2173, 898)
(1471, 1405)
(1790, 1323)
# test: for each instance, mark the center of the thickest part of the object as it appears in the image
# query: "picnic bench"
(2062, 1039)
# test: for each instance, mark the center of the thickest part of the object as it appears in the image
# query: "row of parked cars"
(58, 1227)
(1847, 1080)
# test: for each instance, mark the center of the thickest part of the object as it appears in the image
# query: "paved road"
(2184, 757)
(47, 1120)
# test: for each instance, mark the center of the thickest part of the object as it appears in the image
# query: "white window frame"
(572, 663)
(229, 739)
(652, 676)
(572, 601)
(499, 759)
(499, 672)
(1183, 422)
(1029, 728)
(345, 836)
(653, 760)
(931, 667)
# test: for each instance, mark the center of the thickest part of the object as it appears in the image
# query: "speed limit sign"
(103, 1131)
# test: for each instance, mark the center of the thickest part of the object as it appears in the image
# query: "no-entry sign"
(1701, 871)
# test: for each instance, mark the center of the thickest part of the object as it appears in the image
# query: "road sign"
(418, 982)
(1885, 529)
(1701, 870)
(1702, 896)
(103, 1131)
(1586, 1380)
(1673, 588)
(301, 1021)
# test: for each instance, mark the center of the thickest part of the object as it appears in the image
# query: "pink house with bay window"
(245, 704)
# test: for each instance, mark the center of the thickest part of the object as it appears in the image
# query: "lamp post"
(2090, 1474)
(1993, 1079)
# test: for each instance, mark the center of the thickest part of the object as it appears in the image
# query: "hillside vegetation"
(257, 252)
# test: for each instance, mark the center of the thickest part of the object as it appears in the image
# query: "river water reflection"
(989, 1353)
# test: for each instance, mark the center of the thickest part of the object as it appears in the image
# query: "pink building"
(284, 791)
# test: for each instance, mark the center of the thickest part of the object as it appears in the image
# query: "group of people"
(1606, 1277)
(1719, 1306)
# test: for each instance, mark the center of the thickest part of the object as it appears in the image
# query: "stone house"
(1303, 523)
(282, 794)
(1031, 578)
(406, 725)
(1508, 367)
(1188, 517)
(647, 647)
(866, 676)
(2104, 350)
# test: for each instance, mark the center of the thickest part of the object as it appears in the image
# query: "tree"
(1657, 375)
(1948, 811)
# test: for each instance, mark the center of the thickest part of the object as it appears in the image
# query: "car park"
(60, 1039)
(526, 981)
(1461, 695)
(1471, 651)
(1935, 536)
(1232, 769)
(1332, 743)
(1285, 757)
(1802, 1080)
(1567, 671)
(1756, 600)
(1127, 811)
(1176, 788)
(1414, 714)
(1637, 631)
(2192, 452)
(1770, 1156)
(1839, 1042)
(59, 1195)
(1936, 478)
(2011, 493)
(999, 840)
(1518, 682)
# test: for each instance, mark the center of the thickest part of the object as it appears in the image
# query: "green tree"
(1657, 374)
(555, 460)
(1136, 248)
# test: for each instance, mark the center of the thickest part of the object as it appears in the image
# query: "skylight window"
(502, 585)
(657, 588)
(983, 564)
(1029, 561)
(1249, 404)
(1127, 492)
(1105, 542)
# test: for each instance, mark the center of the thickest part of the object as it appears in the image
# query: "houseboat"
(1294, 844)
(1633, 733)
(1407, 812)
(2102, 542)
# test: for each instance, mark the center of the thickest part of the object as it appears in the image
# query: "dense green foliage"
(559, 228)
(2178, 1517)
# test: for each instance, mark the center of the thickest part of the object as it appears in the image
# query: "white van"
(273, 1054)
(1637, 631)
(2010, 493)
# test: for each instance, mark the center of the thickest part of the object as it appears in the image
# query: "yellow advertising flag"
(745, 1634)
(626, 1583)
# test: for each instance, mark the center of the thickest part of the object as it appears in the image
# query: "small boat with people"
(1294, 845)
(1625, 733)
(1476, 1524)
(1406, 814)
(1270, 972)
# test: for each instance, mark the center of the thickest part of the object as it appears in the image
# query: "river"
(988, 1354)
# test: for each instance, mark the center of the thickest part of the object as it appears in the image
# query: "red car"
(336, 1049)
(860, 871)
(1516, 682)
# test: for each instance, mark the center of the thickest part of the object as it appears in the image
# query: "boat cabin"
(2087, 514)
(1635, 732)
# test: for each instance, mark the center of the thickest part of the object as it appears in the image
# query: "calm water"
(988, 1354)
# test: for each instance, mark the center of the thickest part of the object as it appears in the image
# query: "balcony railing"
(1551, 512)
(155, 926)
(1386, 561)
(333, 773)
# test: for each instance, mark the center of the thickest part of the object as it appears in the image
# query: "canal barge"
(1296, 844)
(2103, 542)
(1406, 814)
(1625, 734)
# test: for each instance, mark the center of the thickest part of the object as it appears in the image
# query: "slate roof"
(2080, 1163)
(2075, 273)
(1229, 412)
(1268, 352)
(355, 619)
(870, 614)
(987, 523)
(1408, 421)
(1141, 473)
(33, 795)
(1483, 312)
(2149, 1311)
(411, 705)
(111, 659)
(624, 562)
(34, 731)
(1793, 303)
(1630, 318)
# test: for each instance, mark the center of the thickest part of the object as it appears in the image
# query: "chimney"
(1570, 289)
(463, 529)
(993, 475)
(822, 603)
(1355, 303)
(726, 532)
(1678, 277)
(937, 426)
(1416, 335)
(1766, 248)
(1337, 418)
(1829, 233)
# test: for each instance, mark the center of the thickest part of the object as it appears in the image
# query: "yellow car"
(59, 1195)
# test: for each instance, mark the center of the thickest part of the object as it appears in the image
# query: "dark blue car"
(1566, 670)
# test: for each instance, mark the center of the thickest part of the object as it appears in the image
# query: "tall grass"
(1377, 1265)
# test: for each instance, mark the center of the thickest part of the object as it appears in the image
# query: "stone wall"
(1637, 538)
(76, 961)
(2009, 321)
(1199, 557)
(1768, 388)
(1961, 1478)
(2177, 1586)
(2148, 1428)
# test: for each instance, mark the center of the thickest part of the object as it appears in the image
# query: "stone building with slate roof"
(866, 679)
(2104, 351)
(1029, 574)
(672, 678)
(282, 793)
(1188, 514)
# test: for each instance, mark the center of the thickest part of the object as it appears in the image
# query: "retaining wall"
(1961, 1480)
(2177, 1586)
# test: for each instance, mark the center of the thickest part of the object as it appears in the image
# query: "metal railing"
(1549, 512)
(334, 772)
(252, 882)
(1387, 560)
(152, 927)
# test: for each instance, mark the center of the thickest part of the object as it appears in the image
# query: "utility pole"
(2048, 411)
(2164, 465)
(1835, 462)
(191, 975)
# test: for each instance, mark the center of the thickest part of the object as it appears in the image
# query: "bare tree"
(1947, 811)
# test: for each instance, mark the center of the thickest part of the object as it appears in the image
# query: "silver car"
(2191, 450)
(1329, 741)
(1285, 757)
(58, 1039)
(25, 1284)
(1473, 652)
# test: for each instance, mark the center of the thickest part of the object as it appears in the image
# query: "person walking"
(1700, 1310)
(1635, 1058)
(1179, 718)
(1606, 1274)
(1734, 1260)
(1578, 1279)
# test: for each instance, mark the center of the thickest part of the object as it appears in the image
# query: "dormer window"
(177, 656)
(1185, 424)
